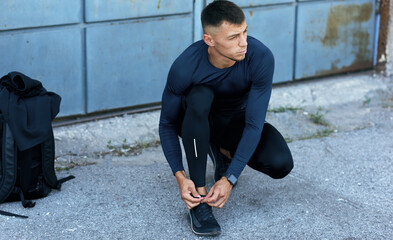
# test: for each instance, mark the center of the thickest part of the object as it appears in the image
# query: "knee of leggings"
(199, 101)
(281, 167)
(198, 111)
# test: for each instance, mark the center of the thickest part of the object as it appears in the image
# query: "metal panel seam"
(294, 43)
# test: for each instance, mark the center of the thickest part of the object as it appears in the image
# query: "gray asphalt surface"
(340, 187)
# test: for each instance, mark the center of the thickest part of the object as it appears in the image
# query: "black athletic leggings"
(200, 127)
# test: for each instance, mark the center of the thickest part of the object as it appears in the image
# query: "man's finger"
(192, 199)
(222, 204)
(218, 199)
(195, 193)
(210, 193)
(213, 198)
(191, 205)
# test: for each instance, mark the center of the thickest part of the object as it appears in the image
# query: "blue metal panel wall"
(334, 36)
(97, 55)
(275, 27)
(127, 64)
(53, 56)
(99, 10)
(24, 14)
(251, 3)
(128, 61)
(101, 55)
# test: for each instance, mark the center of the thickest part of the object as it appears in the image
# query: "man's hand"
(226, 153)
(219, 193)
(188, 191)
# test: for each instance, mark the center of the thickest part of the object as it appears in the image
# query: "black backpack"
(28, 174)
(27, 148)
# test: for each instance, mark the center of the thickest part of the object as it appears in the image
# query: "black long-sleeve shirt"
(246, 84)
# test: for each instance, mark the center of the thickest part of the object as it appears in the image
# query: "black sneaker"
(203, 221)
(220, 162)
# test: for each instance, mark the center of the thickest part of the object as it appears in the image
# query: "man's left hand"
(219, 193)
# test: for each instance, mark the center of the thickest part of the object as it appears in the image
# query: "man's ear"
(207, 38)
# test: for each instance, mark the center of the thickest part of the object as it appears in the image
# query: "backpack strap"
(48, 164)
(8, 163)
(48, 161)
(24, 162)
(63, 180)
(25, 203)
(12, 214)
(8, 166)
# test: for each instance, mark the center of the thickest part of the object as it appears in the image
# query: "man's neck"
(218, 60)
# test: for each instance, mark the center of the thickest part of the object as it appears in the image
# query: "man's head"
(219, 11)
(225, 31)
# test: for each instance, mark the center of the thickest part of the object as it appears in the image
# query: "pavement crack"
(328, 148)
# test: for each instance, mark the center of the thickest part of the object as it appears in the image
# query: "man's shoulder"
(180, 73)
(192, 52)
(256, 47)
(258, 54)
(260, 60)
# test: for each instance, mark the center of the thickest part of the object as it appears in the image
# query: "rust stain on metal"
(361, 50)
(357, 65)
(361, 41)
(159, 4)
(343, 15)
(344, 27)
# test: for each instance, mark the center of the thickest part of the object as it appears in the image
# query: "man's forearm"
(180, 174)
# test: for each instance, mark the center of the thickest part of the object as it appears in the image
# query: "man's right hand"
(188, 191)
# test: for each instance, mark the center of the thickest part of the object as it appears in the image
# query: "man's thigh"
(227, 129)
(272, 155)
(199, 98)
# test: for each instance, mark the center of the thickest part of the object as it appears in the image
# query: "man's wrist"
(231, 178)
(225, 178)
(180, 175)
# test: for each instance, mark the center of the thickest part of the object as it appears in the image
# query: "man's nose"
(243, 41)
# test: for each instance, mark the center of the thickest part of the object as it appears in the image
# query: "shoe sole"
(201, 234)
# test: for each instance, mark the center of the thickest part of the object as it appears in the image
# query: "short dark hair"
(220, 10)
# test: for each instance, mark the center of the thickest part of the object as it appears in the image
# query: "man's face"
(230, 40)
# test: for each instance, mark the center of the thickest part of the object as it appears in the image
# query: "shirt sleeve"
(169, 118)
(262, 70)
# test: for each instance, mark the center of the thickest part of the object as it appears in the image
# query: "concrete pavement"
(340, 132)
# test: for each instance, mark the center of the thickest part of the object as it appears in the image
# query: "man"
(216, 98)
